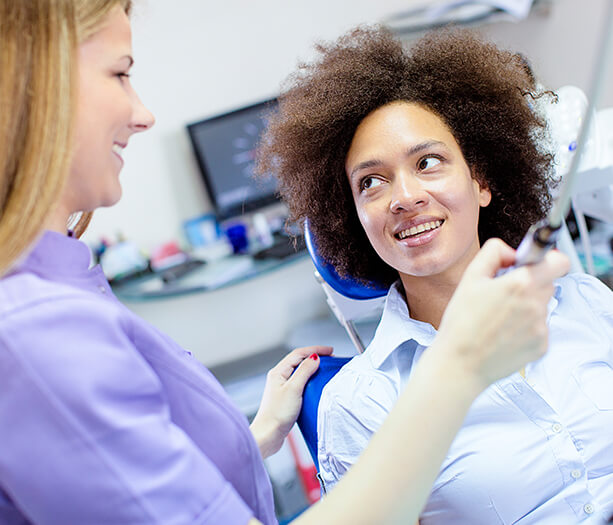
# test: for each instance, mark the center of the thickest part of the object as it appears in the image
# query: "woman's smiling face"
(414, 193)
(109, 112)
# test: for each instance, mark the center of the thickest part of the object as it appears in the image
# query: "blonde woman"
(106, 420)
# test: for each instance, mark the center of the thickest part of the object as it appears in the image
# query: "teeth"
(419, 229)
(118, 149)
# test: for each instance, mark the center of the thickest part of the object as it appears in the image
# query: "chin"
(413, 272)
(423, 269)
(111, 199)
(112, 202)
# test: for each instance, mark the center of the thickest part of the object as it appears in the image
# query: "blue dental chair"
(348, 300)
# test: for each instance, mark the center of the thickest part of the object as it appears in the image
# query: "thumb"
(493, 256)
(303, 372)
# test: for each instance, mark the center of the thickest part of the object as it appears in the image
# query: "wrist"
(452, 366)
(265, 435)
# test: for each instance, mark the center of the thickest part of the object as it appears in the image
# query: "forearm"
(264, 435)
(394, 475)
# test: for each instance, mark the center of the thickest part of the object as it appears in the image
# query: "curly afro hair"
(485, 96)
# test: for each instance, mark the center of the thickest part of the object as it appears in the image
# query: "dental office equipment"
(348, 298)
(542, 236)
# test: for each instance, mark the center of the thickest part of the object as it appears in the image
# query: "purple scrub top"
(105, 420)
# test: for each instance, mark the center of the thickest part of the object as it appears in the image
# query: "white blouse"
(537, 450)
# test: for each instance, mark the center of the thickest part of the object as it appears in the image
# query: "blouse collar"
(396, 325)
(56, 254)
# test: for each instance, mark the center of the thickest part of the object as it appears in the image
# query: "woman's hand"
(498, 324)
(282, 397)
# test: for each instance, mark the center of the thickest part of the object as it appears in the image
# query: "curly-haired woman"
(405, 162)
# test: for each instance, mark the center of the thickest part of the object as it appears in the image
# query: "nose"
(407, 194)
(142, 118)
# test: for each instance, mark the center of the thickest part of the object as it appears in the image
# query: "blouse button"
(575, 474)
(102, 289)
(556, 427)
(588, 508)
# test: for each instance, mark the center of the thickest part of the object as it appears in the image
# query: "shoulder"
(584, 281)
(63, 338)
(578, 290)
(358, 386)
(30, 293)
(36, 313)
(353, 406)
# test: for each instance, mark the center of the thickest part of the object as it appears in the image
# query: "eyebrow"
(367, 164)
(423, 146)
(417, 148)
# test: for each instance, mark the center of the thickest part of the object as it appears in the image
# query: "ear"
(485, 196)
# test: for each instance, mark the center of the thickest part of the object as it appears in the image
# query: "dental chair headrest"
(347, 286)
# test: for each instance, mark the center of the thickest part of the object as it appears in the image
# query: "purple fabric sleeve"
(87, 434)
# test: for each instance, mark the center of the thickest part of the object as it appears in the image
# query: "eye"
(369, 182)
(428, 162)
(122, 76)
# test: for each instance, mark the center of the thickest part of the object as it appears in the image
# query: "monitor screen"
(225, 148)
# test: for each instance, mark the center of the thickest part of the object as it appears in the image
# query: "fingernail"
(314, 357)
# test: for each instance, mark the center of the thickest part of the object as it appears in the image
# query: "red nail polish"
(314, 357)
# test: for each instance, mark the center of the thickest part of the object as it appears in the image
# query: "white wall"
(255, 315)
(197, 58)
(562, 45)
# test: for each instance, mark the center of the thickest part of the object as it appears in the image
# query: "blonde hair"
(38, 46)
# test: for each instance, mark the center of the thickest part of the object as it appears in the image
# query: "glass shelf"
(213, 275)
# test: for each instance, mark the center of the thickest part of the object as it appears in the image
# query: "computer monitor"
(225, 149)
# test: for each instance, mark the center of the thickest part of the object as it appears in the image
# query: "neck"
(58, 220)
(428, 297)
(427, 300)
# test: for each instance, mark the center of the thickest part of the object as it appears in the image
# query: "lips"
(117, 150)
(417, 227)
(420, 228)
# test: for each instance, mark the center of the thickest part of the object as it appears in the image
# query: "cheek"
(364, 218)
(467, 211)
(373, 224)
(369, 218)
(463, 200)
